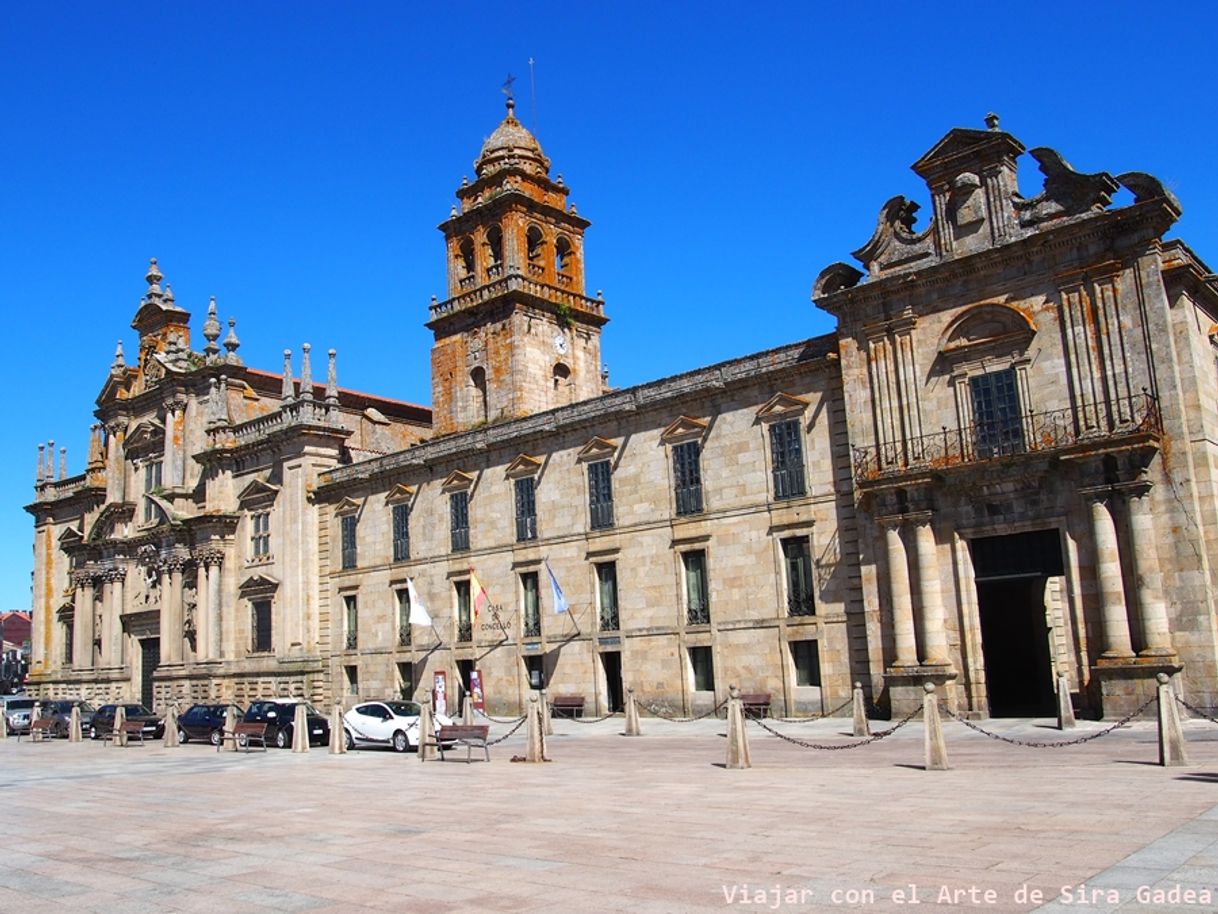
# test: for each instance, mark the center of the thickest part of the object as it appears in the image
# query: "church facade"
(998, 470)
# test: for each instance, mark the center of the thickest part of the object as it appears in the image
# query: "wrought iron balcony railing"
(532, 627)
(609, 620)
(404, 635)
(465, 631)
(801, 604)
(698, 613)
(352, 640)
(1030, 432)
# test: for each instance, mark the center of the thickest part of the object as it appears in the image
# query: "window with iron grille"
(347, 528)
(260, 534)
(702, 665)
(458, 520)
(351, 606)
(526, 509)
(697, 596)
(687, 477)
(531, 613)
(401, 533)
(998, 429)
(260, 624)
(797, 556)
(787, 452)
(403, 596)
(465, 630)
(600, 495)
(606, 585)
(805, 656)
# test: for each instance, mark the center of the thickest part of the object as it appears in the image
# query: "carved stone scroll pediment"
(895, 243)
(1066, 192)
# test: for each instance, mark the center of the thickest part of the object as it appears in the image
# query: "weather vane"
(507, 86)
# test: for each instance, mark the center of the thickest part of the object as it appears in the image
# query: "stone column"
(1156, 633)
(210, 625)
(898, 586)
(116, 476)
(82, 622)
(103, 637)
(930, 593)
(1117, 644)
(171, 610)
(113, 647)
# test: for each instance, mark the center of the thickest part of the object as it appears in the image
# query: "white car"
(386, 723)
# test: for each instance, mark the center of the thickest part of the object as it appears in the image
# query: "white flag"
(418, 612)
(560, 602)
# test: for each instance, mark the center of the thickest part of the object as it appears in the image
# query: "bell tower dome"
(517, 334)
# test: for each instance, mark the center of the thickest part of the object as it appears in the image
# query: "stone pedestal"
(906, 687)
(1126, 685)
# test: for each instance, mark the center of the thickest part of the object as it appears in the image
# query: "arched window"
(535, 250)
(477, 379)
(564, 257)
(562, 374)
(563, 388)
(494, 251)
(465, 258)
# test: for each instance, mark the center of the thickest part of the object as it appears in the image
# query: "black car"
(205, 722)
(60, 713)
(278, 717)
(103, 721)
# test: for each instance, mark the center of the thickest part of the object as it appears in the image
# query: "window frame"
(687, 478)
(399, 521)
(787, 468)
(458, 520)
(402, 598)
(600, 495)
(462, 599)
(696, 587)
(799, 575)
(260, 534)
(608, 617)
(350, 621)
(701, 667)
(530, 604)
(814, 662)
(348, 532)
(262, 620)
(525, 492)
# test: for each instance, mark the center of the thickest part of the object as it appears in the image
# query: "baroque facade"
(998, 470)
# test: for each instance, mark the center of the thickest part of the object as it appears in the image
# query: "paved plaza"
(651, 824)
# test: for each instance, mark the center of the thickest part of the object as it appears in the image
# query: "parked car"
(18, 711)
(386, 723)
(278, 716)
(60, 712)
(205, 722)
(103, 721)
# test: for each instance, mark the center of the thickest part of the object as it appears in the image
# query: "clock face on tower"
(560, 343)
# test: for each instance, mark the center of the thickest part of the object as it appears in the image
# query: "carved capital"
(115, 574)
(209, 556)
(83, 577)
(175, 562)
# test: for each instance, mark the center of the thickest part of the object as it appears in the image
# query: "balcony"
(532, 626)
(352, 641)
(404, 635)
(465, 631)
(609, 620)
(801, 604)
(1028, 433)
(698, 614)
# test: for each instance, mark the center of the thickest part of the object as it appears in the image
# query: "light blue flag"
(560, 602)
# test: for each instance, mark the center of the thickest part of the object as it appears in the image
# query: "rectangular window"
(697, 595)
(152, 484)
(69, 636)
(406, 681)
(526, 510)
(352, 679)
(600, 495)
(531, 611)
(687, 477)
(701, 664)
(401, 533)
(403, 596)
(260, 534)
(351, 614)
(997, 426)
(261, 625)
(787, 452)
(458, 520)
(537, 676)
(797, 556)
(348, 522)
(465, 631)
(806, 658)
(606, 587)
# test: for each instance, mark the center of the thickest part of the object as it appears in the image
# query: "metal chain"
(592, 720)
(663, 715)
(803, 720)
(1050, 744)
(497, 720)
(497, 740)
(828, 747)
(1195, 710)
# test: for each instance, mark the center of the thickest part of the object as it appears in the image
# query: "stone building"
(996, 471)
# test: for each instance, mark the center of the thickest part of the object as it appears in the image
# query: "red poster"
(475, 690)
(441, 693)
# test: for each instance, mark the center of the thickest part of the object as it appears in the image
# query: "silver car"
(18, 712)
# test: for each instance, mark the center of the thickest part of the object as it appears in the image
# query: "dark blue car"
(205, 722)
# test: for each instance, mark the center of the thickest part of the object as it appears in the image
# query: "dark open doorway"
(150, 659)
(1011, 573)
(612, 663)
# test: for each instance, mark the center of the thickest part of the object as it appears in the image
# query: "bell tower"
(517, 334)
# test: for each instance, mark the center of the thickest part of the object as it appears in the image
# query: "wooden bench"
(755, 704)
(573, 705)
(41, 730)
(244, 735)
(127, 729)
(470, 736)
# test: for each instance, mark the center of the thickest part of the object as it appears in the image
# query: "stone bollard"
(3, 725)
(117, 736)
(547, 715)
(936, 746)
(1171, 734)
(1065, 708)
(170, 740)
(467, 710)
(300, 729)
(632, 715)
(862, 726)
(427, 730)
(737, 739)
(230, 724)
(338, 737)
(74, 734)
(535, 729)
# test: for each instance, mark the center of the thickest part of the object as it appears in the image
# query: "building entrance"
(1010, 574)
(150, 659)
(612, 663)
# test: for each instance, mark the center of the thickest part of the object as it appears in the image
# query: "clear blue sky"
(293, 159)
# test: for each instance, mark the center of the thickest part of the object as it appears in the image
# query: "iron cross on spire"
(507, 86)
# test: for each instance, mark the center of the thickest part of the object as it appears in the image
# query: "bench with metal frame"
(243, 735)
(128, 729)
(573, 705)
(471, 736)
(41, 730)
(755, 704)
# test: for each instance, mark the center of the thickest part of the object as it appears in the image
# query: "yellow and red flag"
(477, 593)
